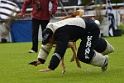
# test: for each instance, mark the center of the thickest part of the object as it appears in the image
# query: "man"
(41, 16)
(102, 45)
(71, 29)
(8, 12)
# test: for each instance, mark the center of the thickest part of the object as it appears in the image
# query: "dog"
(73, 47)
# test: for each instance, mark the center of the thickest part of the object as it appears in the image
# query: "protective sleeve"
(44, 52)
(109, 49)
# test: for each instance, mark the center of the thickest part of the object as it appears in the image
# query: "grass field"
(14, 66)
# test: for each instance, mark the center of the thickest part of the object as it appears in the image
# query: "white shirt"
(70, 21)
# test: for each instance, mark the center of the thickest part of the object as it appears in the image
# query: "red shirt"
(43, 13)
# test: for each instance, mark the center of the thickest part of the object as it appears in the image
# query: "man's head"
(46, 35)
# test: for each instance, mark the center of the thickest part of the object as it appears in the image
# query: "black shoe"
(3, 40)
(104, 68)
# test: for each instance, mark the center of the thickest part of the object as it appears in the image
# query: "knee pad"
(109, 49)
(99, 59)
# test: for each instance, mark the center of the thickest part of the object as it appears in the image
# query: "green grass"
(14, 66)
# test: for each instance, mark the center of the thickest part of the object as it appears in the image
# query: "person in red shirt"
(41, 15)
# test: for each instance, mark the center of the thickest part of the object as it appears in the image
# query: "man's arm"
(61, 46)
(54, 6)
(43, 53)
(24, 6)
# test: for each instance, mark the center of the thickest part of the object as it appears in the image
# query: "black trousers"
(35, 29)
(87, 46)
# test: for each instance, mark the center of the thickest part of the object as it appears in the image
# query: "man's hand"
(45, 70)
(20, 14)
(35, 63)
(50, 12)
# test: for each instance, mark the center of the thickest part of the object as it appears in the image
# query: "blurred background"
(94, 9)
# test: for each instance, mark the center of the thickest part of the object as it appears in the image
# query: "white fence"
(70, 9)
